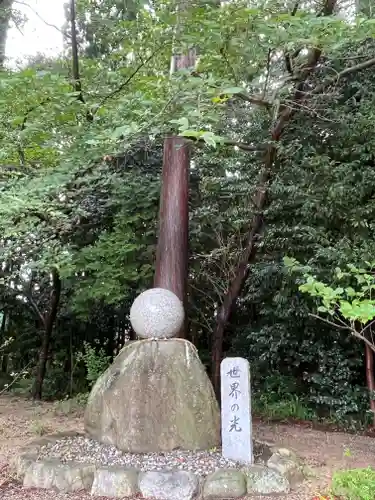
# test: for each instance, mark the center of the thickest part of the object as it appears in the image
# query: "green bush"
(276, 399)
(282, 409)
(22, 387)
(96, 362)
(356, 484)
(293, 354)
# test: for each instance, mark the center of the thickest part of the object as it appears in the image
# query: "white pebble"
(83, 449)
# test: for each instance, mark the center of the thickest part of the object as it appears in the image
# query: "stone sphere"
(157, 313)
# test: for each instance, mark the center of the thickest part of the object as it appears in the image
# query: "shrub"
(96, 362)
(356, 484)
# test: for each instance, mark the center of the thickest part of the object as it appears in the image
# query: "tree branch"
(367, 327)
(361, 337)
(259, 101)
(35, 307)
(240, 145)
(39, 16)
(129, 79)
(246, 147)
(358, 335)
(331, 323)
(345, 72)
(285, 108)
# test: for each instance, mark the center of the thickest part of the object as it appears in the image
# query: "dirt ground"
(323, 452)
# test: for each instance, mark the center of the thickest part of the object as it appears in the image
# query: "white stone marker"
(236, 428)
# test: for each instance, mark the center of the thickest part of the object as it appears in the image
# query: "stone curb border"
(282, 472)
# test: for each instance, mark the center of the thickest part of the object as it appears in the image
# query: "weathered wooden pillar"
(172, 246)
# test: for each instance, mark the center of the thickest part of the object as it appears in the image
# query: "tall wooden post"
(172, 247)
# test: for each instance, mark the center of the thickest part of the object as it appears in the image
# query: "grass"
(39, 428)
(287, 407)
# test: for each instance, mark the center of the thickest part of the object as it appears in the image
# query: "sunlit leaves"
(233, 42)
(354, 303)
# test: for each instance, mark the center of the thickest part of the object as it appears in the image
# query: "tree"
(348, 309)
(81, 195)
(282, 116)
(5, 15)
(102, 25)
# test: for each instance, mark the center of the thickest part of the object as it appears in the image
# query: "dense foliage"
(81, 158)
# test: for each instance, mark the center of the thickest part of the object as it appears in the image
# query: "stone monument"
(156, 396)
(236, 425)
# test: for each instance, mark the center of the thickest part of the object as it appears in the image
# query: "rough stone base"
(115, 482)
(225, 484)
(52, 474)
(264, 481)
(169, 485)
(282, 471)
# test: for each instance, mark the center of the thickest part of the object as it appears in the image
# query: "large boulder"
(156, 396)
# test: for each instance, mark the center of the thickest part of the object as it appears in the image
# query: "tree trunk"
(370, 380)
(2, 328)
(4, 357)
(257, 223)
(4, 363)
(234, 289)
(5, 13)
(77, 83)
(48, 324)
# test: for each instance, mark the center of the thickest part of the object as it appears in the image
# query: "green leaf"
(192, 133)
(183, 123)
(290, 262)
(211, 139)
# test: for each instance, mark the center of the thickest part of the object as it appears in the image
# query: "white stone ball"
(157, 313)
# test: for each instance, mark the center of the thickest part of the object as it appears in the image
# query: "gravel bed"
(85, 450)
